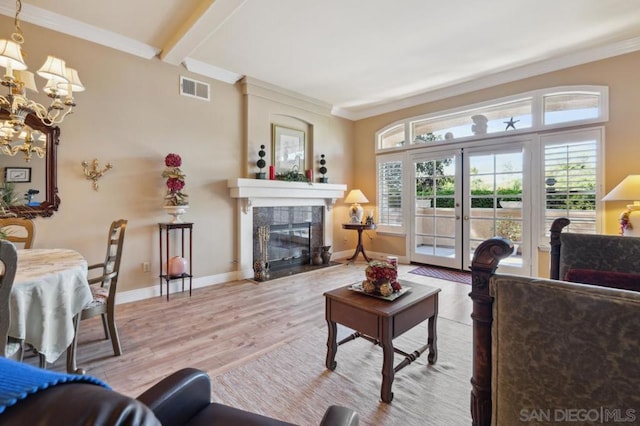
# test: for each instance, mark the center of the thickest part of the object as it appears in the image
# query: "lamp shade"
(355, 196)
(55, 86)
(627, 190)
(11, 55)
(53, 68)
(27, 79)
(74, 81)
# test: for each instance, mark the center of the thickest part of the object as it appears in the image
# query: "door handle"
(466, 218)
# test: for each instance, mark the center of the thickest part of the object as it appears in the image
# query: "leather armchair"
(183, 398)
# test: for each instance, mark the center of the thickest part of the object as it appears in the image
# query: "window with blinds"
(571, 180)
(390, 193)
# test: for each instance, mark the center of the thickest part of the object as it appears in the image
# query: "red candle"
(272, 173)
(310, 175)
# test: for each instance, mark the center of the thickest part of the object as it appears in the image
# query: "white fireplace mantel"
(249, 190)
(251, 193)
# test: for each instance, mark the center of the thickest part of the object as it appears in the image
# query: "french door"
(465, 196)
(437, 238)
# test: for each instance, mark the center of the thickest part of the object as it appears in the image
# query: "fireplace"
(285, 236)
(289, 245)
(286, 199)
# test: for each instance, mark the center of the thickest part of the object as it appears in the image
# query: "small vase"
(316, 259)
(177, 266)
(261, 270)
(176, 212)
(326, 255)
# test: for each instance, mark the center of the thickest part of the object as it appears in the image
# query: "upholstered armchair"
(603, 260)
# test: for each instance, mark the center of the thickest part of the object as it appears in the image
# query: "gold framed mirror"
(32, 184)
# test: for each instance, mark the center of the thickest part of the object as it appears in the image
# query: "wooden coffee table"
(381, 321)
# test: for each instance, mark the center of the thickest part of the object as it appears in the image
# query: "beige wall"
(622, 134)
(132, 116)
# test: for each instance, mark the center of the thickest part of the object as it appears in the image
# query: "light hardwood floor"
(225, 325)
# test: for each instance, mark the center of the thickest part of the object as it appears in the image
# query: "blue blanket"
(19, 380)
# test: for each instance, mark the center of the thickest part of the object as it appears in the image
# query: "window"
(390, 176)
(571, 179)
(564, 167)
(392, 137)
(523, 113)
(467, 123)
(572, 106)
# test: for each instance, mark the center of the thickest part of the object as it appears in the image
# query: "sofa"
(183, 398)
(547, 351)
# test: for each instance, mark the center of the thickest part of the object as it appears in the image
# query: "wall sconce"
(94, 173)
(628, 190)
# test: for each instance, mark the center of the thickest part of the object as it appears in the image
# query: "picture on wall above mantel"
(287, 149)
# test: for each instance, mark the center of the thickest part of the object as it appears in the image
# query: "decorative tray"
(357, 287)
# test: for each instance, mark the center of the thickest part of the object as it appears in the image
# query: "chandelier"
(15, 106)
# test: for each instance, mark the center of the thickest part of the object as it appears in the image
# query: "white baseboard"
(175, 286)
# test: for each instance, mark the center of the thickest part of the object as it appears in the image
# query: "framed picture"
(17, 174)
(287, 149)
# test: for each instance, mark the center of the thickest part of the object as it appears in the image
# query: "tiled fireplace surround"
(255, 193)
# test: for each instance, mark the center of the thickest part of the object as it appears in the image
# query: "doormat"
(443, 273)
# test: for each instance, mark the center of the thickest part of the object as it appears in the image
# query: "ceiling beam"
(202, 24)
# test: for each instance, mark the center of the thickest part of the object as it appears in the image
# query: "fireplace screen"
(289, 244)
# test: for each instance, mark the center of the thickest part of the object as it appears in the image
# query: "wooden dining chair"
(18, 230)
(9, 260)
(104, 287)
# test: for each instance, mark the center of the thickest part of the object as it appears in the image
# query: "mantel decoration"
(292, 175)
(176, 201)
(261, 163)
(94, 172)
(323, 170)
(382, 278)
(62, 81)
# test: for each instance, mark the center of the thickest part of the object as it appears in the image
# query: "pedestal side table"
(165, 252)
(359, 248)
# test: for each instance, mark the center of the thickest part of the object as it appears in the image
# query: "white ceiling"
(361, 57)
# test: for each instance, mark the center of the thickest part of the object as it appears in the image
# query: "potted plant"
(509, 228)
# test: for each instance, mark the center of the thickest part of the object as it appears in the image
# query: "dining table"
(49, 291)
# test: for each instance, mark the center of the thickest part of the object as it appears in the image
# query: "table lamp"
(628, 190)
(356, 211)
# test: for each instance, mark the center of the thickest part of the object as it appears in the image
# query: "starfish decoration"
(511, 123)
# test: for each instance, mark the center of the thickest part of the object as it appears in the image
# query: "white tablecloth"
(49, 289)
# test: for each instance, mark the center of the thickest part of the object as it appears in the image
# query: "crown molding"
(254, 87)
(62, 24)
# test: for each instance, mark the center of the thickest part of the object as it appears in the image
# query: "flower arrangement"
(624, 221)
(175, 181)
(382, 278)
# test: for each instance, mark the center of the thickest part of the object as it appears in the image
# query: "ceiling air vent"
(194, 88)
